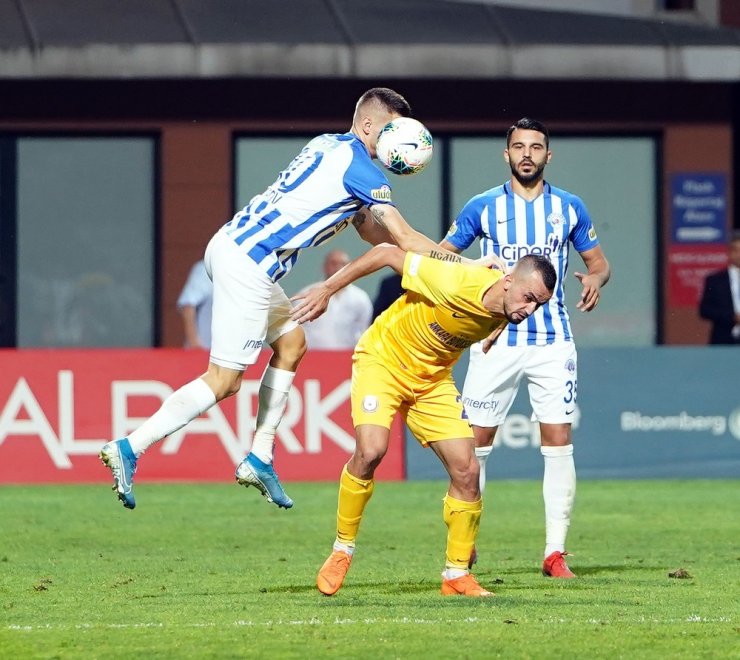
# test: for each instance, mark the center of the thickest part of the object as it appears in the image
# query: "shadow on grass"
(580, 571)
(387, 588)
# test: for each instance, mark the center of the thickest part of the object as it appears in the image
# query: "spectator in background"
(196, 307)
(720, 300)
(389, 291)
(347, 316)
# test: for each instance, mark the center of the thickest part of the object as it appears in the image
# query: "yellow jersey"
(441, 314)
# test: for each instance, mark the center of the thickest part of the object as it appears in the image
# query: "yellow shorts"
(432, 409)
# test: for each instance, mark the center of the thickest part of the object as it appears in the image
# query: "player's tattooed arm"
(388, 220)
(379, 215)
(369, 230)
(359, 218)
(445, 256)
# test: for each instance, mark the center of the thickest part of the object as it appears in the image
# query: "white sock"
(559, 493)
(453, 573)
(344, 547)
(176, 410)
(482, 454)
(273, 397)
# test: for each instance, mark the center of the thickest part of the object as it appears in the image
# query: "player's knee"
(555, 435)
(223, 382)
(369, 457)
(465, 476)
(289, 349)
(484, 435)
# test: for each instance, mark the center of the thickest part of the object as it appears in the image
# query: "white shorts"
(493, 379)
(249, 309)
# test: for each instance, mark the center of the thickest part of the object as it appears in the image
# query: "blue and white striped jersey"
(511, 227)
(311, 201)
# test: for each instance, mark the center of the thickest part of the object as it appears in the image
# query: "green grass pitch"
(214, 571)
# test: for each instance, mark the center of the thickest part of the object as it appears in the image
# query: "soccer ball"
(404, 146)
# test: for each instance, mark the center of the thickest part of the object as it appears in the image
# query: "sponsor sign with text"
(57, 408)
(699, 207)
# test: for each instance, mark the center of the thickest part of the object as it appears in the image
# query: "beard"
(527, 179)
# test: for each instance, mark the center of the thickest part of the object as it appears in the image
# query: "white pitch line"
(342, 622)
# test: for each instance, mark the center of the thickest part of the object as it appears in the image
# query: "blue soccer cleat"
(120, 458)
(253, 472)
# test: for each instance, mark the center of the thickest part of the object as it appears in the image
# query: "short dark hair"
(544, 267)
(528, 124)
(388, 98)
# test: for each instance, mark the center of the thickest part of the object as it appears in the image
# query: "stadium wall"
(653, 412)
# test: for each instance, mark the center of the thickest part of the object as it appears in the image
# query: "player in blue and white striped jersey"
(331, 183)
(526, 215)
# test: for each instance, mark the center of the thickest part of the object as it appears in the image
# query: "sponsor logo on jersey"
(478, 404)
(512, 253)
(370, 403)
(570, 366)
(252, 343)
(449, 339)
(556, 219)
(382, 194)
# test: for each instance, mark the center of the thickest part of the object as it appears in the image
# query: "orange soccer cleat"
(555, 566)
(465, 585)
(332, 573)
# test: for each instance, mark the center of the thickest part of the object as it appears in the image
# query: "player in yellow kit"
(403, 363)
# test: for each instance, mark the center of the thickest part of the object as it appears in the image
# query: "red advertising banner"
(688, 265)
(58, 407)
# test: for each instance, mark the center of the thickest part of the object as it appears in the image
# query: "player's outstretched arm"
(489, 261)
(313, 303)
(389, 219)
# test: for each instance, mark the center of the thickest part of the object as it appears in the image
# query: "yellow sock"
(354, 494)
(462, 520)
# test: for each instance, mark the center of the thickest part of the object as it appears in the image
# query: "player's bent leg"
(272, 399)
(256, 469)
(355, 492)
(370, 448)
(484, 436)
(462, 520)
(461, 513)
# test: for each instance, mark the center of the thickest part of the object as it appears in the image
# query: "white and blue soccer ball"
(404, 146)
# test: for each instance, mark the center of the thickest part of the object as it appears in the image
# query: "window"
(83, 220)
